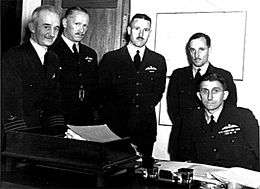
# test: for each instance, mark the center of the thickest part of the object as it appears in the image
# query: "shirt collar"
(40, 50)
(203, 69)
(70, 43)
(215, 114)
(132, 50)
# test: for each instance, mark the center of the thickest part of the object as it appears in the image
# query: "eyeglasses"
(214, 91)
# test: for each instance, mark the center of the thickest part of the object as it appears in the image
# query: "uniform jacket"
(131, 95)
(75, 74)
(233, 141)
(30, 90)
(182, 98)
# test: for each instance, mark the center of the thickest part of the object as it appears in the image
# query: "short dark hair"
(196, 36)
(142, 16)
(70, 11)
(213, 77)
(199, 35)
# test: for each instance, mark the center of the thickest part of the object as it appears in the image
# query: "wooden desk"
(48, 148)
(41, 177)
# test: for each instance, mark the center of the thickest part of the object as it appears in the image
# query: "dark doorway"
(11, 18)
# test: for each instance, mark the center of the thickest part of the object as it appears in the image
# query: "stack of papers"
(95, 133)
(242, 176)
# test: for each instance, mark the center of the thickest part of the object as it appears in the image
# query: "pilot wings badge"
(89, 59)
(151, 69)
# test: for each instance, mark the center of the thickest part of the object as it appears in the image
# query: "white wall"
(28, 7)
(248, 89)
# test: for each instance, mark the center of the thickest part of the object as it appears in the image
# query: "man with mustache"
(219, 134)
(30, 75)
(132, 81)
(79, 75)
(181, 94)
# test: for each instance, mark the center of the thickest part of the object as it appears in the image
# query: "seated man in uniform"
(220, 134)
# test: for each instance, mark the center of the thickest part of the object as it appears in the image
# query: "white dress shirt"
(40, 50)
(70, 43)
(132, 50)
(215, 114)
(203, 69)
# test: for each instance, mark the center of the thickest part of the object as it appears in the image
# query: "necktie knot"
(75, 51)
(198, 75)
(45, 59)
(74, 48)
(137, 59)
(212, 121)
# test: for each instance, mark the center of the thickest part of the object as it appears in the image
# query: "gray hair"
(36, 12)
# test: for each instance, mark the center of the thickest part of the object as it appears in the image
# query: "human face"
(212, 95)
(45, 29)
(76, 25)
(139, 32)
(199, 51)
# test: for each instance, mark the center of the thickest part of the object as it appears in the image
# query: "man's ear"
(226, 93)
(198, 95)
(128, 30)
(64, 22)
(31, 27)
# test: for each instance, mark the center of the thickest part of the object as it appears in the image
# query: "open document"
(95, 133)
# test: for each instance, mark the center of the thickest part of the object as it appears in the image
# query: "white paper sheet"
(239, 175)
(95, 133)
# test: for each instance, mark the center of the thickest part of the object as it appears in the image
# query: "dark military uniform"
(130, 95)
(233, 141)
(79, 83)
(30, 90)
(182, 98)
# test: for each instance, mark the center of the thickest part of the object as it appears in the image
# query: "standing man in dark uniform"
(219, 134)
(181, 94)
(132, 81)
(79, 74)
(30, 75)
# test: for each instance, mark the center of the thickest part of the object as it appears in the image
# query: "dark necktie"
(212, 123)
(45, 62)
(198, 75)
(137, 60)
(75, 51)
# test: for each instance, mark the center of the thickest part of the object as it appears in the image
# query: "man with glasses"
(181, 94)
(219, 134)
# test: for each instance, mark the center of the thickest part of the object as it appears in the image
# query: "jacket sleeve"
(159, 86)
(251, 134)
(232, 98)
(173, 105)
(12, 91)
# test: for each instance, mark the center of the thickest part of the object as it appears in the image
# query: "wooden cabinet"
(108, 22)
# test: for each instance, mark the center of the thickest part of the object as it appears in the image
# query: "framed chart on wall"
(227, 30)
